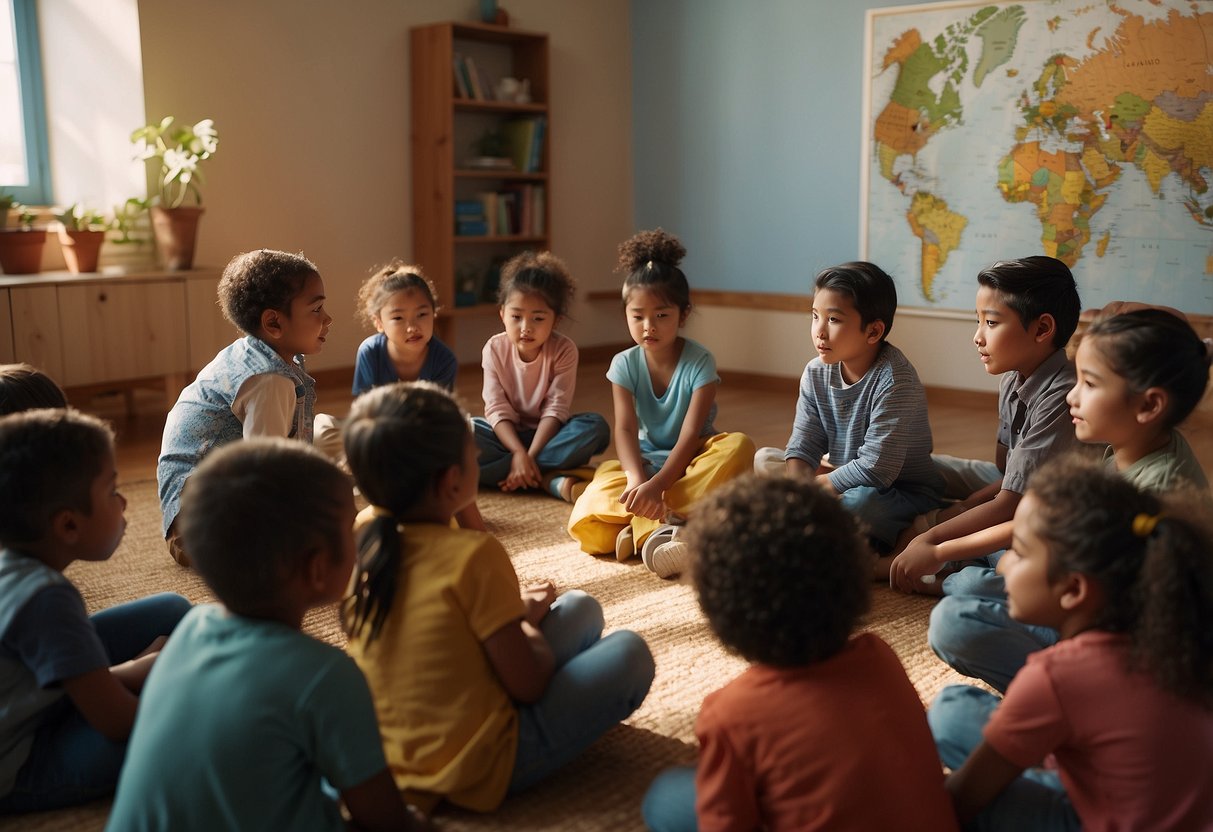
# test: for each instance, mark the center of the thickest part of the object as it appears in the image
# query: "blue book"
(471, 228)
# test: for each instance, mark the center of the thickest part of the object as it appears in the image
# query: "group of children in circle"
(460, 685)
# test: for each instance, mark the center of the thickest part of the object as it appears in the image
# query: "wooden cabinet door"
(7, 353)
(36, 340)
(113, 332)
(209, 330)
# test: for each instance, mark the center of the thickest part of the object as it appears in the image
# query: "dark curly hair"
(396, 276)
(399, 439)
(1152, 348)
(781, 572)
(259, 280)
(650, 259)
(278, 500)
(871, 290)
(23, 387)
(1035, 286)
(538, 273)
(48, 462)
(1157, 579)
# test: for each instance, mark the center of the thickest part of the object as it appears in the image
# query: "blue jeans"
(669, 804)
(961, 477)
(578, 439)
(884, 512)
(972, 630)
(1036, 800)
(598, 683)
(71, 762)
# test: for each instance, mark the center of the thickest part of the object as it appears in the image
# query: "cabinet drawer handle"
(102, 297)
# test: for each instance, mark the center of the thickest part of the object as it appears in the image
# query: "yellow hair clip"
(1143, 524)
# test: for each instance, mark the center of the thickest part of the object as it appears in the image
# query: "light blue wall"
(747, 123)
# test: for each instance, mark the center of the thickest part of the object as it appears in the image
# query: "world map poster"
(1081, 129)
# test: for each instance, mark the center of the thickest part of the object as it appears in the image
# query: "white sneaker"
(663, 553)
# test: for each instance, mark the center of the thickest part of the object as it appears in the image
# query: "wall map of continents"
(1081, 129)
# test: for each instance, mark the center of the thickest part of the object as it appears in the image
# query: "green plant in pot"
(178, 150)
(81, 237)
(6, 202)
(21, 247)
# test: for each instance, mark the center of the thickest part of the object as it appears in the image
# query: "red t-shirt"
(1131, 756)
(840, 744)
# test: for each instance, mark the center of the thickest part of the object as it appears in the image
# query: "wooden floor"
(963, 423)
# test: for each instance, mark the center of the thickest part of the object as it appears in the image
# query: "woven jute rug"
(602, 790)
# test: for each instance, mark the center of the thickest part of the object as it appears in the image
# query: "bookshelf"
(447, 121)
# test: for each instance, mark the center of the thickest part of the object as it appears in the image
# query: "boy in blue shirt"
(257, 721)
(862, 403)
(69, 683)
(256, 386)
(1027, 310)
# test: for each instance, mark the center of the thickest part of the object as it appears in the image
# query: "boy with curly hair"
(823, 720)
(256, 386)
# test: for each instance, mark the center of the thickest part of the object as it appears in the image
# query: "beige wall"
(311, 100)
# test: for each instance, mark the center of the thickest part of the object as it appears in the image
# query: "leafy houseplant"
(179, 151)
(81, 237)
(21, 247)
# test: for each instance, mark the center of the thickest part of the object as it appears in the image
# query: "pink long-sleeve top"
(525, 392)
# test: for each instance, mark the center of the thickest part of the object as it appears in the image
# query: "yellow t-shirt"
(449, 728)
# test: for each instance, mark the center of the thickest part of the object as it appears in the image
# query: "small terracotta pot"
(81, 249)
(21, 251)
(176, 231)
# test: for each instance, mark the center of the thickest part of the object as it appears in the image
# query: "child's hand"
(524, 473)
(645, 500)
(538, 599)
(918, 560)
(155, 647)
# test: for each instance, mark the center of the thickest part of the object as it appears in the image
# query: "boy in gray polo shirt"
(1026, 311)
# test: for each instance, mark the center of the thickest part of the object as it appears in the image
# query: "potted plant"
(81, 237)
(21, 247)
(6, 202)
(179, 151)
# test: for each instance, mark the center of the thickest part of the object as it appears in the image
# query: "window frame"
(33, 106)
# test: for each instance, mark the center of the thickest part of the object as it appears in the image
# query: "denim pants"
(972, 630)
(578, 439)
(962, 477)
(71, 762)
(884, 512)
(598, 683)
(1036, 800)
(669, 804)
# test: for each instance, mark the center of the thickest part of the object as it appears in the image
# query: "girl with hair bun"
(664, 388)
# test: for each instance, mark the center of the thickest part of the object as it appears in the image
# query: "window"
(24, 172)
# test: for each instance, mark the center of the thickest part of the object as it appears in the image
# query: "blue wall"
(747, 130)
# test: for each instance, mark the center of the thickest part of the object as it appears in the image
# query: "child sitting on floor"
(664, 388)
(482, 689)
(528, 437)
(23, 387)
(1124, 702)
(862, 403)
(1139, 375)
(257, 386)
(824, 730)
(69, 683)
(1026, 312)
(248, 723)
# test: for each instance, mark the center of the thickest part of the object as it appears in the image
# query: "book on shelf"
(524, 136)
(462, 89)
(478, 82)
(471, 228)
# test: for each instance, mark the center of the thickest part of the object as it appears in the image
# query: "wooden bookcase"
(445, 127)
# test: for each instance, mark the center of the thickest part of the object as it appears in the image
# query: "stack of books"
(470, 220)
